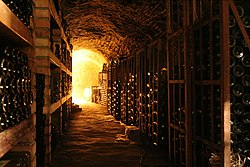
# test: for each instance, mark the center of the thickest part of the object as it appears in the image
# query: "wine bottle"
(246, 21)
(5, 103)
(245, 80)
(239, 147)
(25, 71)
(8, 85)
(246, 99)
(238, 90)
(238, 71)
(10, 119)
(238, 52)
(236, 32)
(234, 138)
(3, 123)
(246, 118)
(246, 137)
(240, 10)
(246, 61)
(238, 109)
(13, 101)
(30, 98)
(232, 61)
(232, 80)
(233, 119)
(29, 73)
(4, 67)
(25, 59)
(238, 128)
(2, 85)
(247, 155)
(232, 21)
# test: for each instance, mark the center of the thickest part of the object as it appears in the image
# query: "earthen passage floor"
(93, 138)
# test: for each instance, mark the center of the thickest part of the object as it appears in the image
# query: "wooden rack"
(15, 34)
(140, 80)
(196, 53)
(53, 58)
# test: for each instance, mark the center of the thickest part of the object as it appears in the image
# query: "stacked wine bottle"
(15, 87)
(116, 100)
(55, 85)
(131, 114)
(22, 9)
(240, 87)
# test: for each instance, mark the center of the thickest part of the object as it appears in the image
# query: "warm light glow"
(87, 93)
(86, 66)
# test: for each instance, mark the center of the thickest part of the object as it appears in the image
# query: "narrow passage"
(95, 139)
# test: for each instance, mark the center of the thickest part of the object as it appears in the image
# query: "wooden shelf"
(64, 68)
(10, 137)
(69, 73)
(176, 81)
(65, 39)
(54, 60)
(208, 82)
(58, 104)
(12, 28)
(55, 15)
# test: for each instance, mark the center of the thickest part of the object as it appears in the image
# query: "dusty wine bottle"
(245, 80)
(238, 109)
(246, 99)
(238, 90)
(240, 10)
(4, 66)
(232, 61)
(232, 21)
(239, 147)
(246, 21)
(238, 71)
(2, 85)
(246, 118)
(233, 138)
(246, 61)
(232, 80)
(238, 128)
(238, 52)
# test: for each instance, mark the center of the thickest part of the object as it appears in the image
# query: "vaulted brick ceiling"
(114, 28)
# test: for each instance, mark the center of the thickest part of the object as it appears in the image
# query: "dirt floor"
(93, 138)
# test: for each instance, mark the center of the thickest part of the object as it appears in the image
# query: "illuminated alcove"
(86, 66)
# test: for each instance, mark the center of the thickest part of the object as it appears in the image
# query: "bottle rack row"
(182, 94)
(239, 83)
(53, 60)
(16, 83)
(22, 9)
(61, 84)
(15, 90)
(198, 91)
(28, 51)
(59, 47)
(138, 96)
(103, 84)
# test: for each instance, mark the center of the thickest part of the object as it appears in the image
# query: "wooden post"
(225, 84)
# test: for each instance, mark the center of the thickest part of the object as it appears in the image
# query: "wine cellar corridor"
(118, 83)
